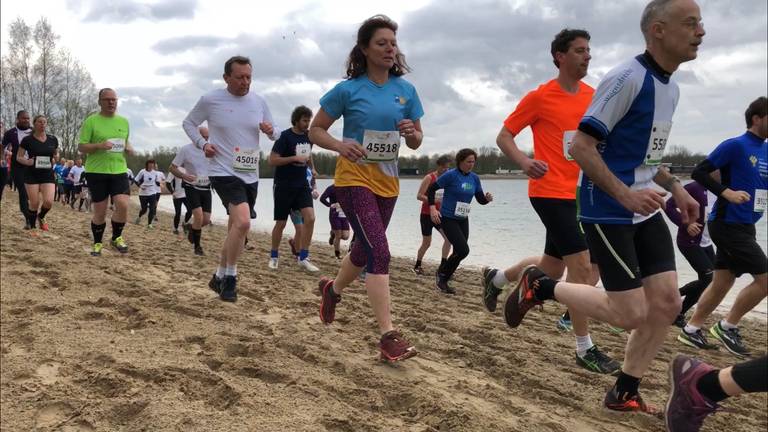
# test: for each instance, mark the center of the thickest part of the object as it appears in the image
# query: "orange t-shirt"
(551, 112)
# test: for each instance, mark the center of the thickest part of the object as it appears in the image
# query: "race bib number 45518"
(246, 160)
(382, 146)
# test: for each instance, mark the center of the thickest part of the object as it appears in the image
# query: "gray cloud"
(124, 11)
(188, 43)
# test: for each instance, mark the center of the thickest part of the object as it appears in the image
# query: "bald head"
(203, 132)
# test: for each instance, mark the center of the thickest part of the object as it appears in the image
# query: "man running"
(290, 156)
(442, 165)
(235, 117)
(104, 137)
(553, 112)
(148, 181)
(197, 188)
(619, 146)
(174, 185)
(76, 175)
(741, 202)
(11, 140)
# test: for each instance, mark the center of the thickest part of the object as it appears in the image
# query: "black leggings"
(752, 375)
(148, 203)
(177, 202)
(702, 259)
(457, 233)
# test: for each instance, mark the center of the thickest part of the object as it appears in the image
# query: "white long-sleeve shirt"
(233, 127)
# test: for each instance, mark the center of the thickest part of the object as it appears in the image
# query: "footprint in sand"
(48, 372)
(61, 416)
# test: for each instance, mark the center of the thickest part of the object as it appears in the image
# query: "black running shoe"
(228, 289)
(626, 403)
(199, 251)
(679, 321)
(215, 284)
(731, 339)
(696, 340)
(597, 361)
(490, 292)
(441, 284)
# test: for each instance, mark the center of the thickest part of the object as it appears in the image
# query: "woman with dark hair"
(37, 151)
(379, 107)
(460, 184)
(148, 181)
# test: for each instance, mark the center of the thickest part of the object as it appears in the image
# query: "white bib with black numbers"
(462, 209)
(761, 200)
(246, 160)
(118, 145)
(382, 146)
(439, 195)
(43, 162)
(657, 142)
(303, 150)
(567, 143)
(202, 182)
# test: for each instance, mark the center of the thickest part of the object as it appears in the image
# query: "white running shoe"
(308, 266)
(273, 263)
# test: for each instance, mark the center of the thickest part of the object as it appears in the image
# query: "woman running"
(149, 185)
(40, 150)
(339, 223)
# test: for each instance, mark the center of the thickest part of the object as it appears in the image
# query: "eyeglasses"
(693, 24)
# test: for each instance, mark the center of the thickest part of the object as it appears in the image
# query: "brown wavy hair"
(356, 62)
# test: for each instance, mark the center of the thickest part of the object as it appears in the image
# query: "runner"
(158, 192)
(296, 219)
(694, 243)
(39, 152)
(4, 154)
(148, 181)
(619, 147)
(104, 137)
(174, 185)
(427, 225)
(459, 184)
(235, 117)
(385, 107)
(197, 187)
(741, 202)
(337, 218)
(76, 175)
(696, 389)
(290, 156)
(59, 182)
(11, 140)
(68, 186)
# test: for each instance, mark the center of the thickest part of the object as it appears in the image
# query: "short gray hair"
(653, 10)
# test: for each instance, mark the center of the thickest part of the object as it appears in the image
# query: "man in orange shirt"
(553, 112)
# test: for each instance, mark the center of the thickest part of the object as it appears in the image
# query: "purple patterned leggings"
(369, 215)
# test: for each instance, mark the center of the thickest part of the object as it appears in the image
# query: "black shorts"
(564, 234)
(38, 176)
(233, 190)
(104, 186)
(290, 198)
(626, 254)
(427, 225)
(77, 188)
(737, 248)
(198, 198)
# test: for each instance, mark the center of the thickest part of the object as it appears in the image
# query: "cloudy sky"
(472, 60)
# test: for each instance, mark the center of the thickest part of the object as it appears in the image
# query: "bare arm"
(506, 143)
(92, 147)
(277, 160)
(421, 195)
(318, 134)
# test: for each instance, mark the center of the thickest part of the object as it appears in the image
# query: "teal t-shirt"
(97, 128)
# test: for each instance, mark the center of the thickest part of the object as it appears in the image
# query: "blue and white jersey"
(631, 115)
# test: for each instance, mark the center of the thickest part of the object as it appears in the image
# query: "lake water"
(501, 233)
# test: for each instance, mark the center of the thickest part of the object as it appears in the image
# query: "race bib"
(462, 209)
(118, 145)
(382, 146)
(303, 150)
(567, 142)
(439, 195)
(657, 142)
(761, 200)
(43, 162)
(202, 182)
(340, 213)
(246, 160)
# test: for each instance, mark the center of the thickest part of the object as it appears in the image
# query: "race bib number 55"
(382, 146)
(246, 160)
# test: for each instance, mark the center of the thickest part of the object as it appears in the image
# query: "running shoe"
(522, 298)
(418, 270)
(273, 263)
(337, 253)
(185, 227)
(44, 226)
(215, 284)
(308, 266)
(696, 340)
(96, 251)
(120, 245)
(490, 292)
(293, 247)
(564, 324)
(441, 284)
(394, 347)
(150, 226)
(634, 403)
(199, 251)
(228, 291)
(687, 407)
(597, 361)
(328, 300)
(679, 321)
(731, 339)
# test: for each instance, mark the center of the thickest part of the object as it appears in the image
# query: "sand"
(139, 343)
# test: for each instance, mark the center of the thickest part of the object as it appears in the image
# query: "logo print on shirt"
(401, 100)
(466, 186)
(753, 159)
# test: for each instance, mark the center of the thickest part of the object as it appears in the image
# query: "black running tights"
(457, 233)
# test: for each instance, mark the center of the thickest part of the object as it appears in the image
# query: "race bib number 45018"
(382, 146)
(246, 160)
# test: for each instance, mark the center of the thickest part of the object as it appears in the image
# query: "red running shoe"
(521, 299)
(328, 300)
(628, 404)
(394, 347)
(43, 226)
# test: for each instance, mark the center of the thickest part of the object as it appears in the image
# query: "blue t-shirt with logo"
(743, 165)
(458, 187)
(294, 174)
(58, 169)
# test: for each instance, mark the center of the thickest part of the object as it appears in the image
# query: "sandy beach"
(139, 343)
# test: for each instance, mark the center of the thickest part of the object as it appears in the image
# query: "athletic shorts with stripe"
(626, 254)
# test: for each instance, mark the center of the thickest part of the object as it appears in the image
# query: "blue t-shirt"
(294, 174)
(743, 165)
(58, 169)
(64, 175)
(631, 116)
(458, 187)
